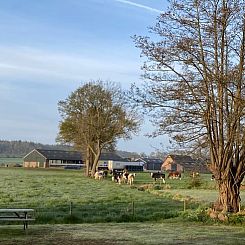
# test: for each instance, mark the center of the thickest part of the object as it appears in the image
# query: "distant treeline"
(18, 148)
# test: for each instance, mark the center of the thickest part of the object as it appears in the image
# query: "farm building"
(112, 161)
(182, 163)
(151, 163)
(40, 158)
(128, 165)
(105, 157)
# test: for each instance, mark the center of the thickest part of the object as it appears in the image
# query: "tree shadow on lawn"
(48, 235)
(123, 233)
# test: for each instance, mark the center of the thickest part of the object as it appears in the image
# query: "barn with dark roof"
(41, 158)
(151, 163)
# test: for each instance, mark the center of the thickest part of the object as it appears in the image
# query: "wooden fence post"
(70, 208)
(133, 208)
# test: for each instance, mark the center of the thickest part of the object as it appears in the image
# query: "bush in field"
(194, 182)
(71, 219)
(237, 219)
(199, 215)
(157, 187)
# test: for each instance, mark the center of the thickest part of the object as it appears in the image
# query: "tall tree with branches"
(94, 117)
(194, 84)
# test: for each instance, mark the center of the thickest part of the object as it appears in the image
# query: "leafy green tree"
(94, 117)
(194, 85)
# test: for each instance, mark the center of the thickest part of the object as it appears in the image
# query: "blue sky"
(48, 47)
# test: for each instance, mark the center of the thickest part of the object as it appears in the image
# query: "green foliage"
(195, 182)
(237, 219)
(198, 215)
(202, 215)
(157, 187)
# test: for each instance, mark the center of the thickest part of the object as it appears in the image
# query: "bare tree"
(194, 84)
(94, 117)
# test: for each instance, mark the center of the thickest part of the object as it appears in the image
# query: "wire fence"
(104, 212)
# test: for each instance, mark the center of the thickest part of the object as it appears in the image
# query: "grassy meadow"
(65, 196)
(89, 211)
(10, 161)
(166, 232)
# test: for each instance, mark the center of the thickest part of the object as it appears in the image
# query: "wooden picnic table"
(17, 214)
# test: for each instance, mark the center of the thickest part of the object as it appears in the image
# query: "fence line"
(74, 212)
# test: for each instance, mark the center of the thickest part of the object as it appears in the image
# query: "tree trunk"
(87, 167)
(95, 162)
(229, 196)
(87, 161)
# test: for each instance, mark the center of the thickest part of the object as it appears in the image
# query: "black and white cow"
(117, 176)
(158, 175)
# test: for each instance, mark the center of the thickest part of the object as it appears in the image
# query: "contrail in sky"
(139, 6)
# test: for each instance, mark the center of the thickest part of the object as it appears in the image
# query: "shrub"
(146, 187)
(194, 182)
(157, 187)
(237, 219)
(71, 219)
(199, 215)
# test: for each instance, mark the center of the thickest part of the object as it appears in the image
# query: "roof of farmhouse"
(73, 155)
(111, 156)
(181, 158)
(151, 160)
(60, 154)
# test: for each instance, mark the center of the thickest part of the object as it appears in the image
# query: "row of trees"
(193, 88)
(18, 148)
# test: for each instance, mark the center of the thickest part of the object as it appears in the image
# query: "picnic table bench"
(17, 214)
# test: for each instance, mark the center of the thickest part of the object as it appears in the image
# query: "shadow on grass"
(168, 232)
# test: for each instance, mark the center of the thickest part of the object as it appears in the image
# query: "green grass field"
(61, 196)
(85, 210)
(166, 232)
(58, 193)
(10, 161)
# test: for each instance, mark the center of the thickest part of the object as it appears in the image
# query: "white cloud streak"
(34, 64)
(140, 6)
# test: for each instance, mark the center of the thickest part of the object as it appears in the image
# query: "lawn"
(166, 232)
(10, 161)
(206, 193)
(65, 196)
(88, 211)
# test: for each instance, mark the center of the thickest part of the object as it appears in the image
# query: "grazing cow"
(195, 174)
(125, 177)
(131, 178)
(158, 175)
(212, 177)
(117, 176)
(99, 175)
(174, 175)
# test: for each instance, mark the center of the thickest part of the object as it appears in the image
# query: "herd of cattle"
(128, 178)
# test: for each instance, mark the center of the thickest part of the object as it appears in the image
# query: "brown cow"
(131, 178)
(174, 175)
